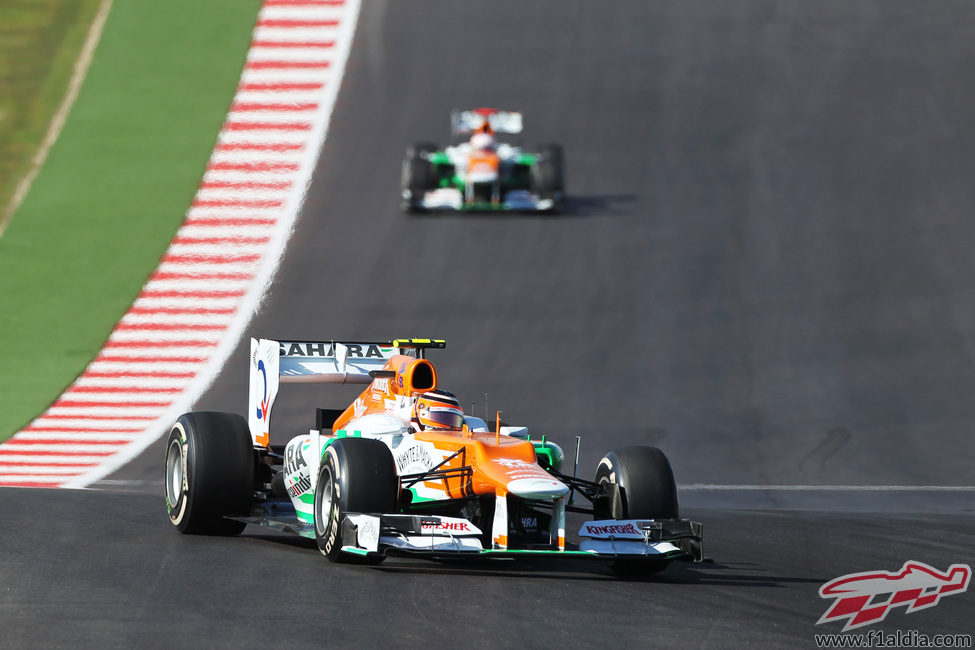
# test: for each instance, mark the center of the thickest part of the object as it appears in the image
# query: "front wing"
(451, 199)
(441, 537)
(437, 536)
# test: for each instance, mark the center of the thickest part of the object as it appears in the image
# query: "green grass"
(39, 43)
(114, 189)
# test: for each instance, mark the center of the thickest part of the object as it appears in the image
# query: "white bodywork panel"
(366, 531)
(299, 461)
(264, 377)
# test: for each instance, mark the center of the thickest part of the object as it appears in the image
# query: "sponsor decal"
(522, 469)
(358, 407)
(361, 351)
(262, 408)
(613, 528)
(446, 526)
(539, 477)
(529, 523)
(602, 531)
(416, 457)
(381, 385)
(367, 532)
(499, 527)
(866, 598)
(293, 459)
(299, 487)
(514, 463)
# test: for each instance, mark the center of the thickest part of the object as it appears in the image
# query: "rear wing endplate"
(335, 362)
(465, 122)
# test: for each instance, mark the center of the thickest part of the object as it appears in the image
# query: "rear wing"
(465, 122)
(334, 362)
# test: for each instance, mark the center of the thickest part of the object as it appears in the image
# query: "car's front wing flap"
(451, 199)
(409, 533)
(437, 536)
(626, 538)
(441, 536)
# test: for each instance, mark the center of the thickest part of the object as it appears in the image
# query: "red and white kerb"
(168, 347)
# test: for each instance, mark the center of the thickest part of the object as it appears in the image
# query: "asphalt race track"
(112, 573)
(764, 268)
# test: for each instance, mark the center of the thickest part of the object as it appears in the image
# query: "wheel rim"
(174, 472)
(323, 500)
(617, 512)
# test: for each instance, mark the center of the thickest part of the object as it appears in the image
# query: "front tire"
(418, 176)
(548, 174)
(209, 473)
(641, 485)
(357, 475)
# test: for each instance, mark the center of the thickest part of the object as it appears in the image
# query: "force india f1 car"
(480, 173)
(403, 471)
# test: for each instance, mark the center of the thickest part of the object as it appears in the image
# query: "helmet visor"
(442, 417)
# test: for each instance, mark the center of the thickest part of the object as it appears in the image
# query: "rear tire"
(647, 490)
(209, 473)
(418, 175)
(357, 475)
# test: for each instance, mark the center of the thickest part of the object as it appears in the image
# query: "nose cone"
(537, 488)
(482, 175)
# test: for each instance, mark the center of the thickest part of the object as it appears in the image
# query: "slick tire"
(646, 490)
(418, 175)
(209, 473)
(357, 475)
(548, 174)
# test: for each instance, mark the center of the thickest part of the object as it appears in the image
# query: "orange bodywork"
(484, 162)
(412, 377)
(494, 461)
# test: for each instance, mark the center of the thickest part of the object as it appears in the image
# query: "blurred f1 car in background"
(403, 471)
(480, 173)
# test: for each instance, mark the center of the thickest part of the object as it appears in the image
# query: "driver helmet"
(437, 409)
(482, 140)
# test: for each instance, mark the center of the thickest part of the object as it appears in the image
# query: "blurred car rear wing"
(465, 122)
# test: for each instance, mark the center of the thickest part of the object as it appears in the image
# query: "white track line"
(171, 344)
